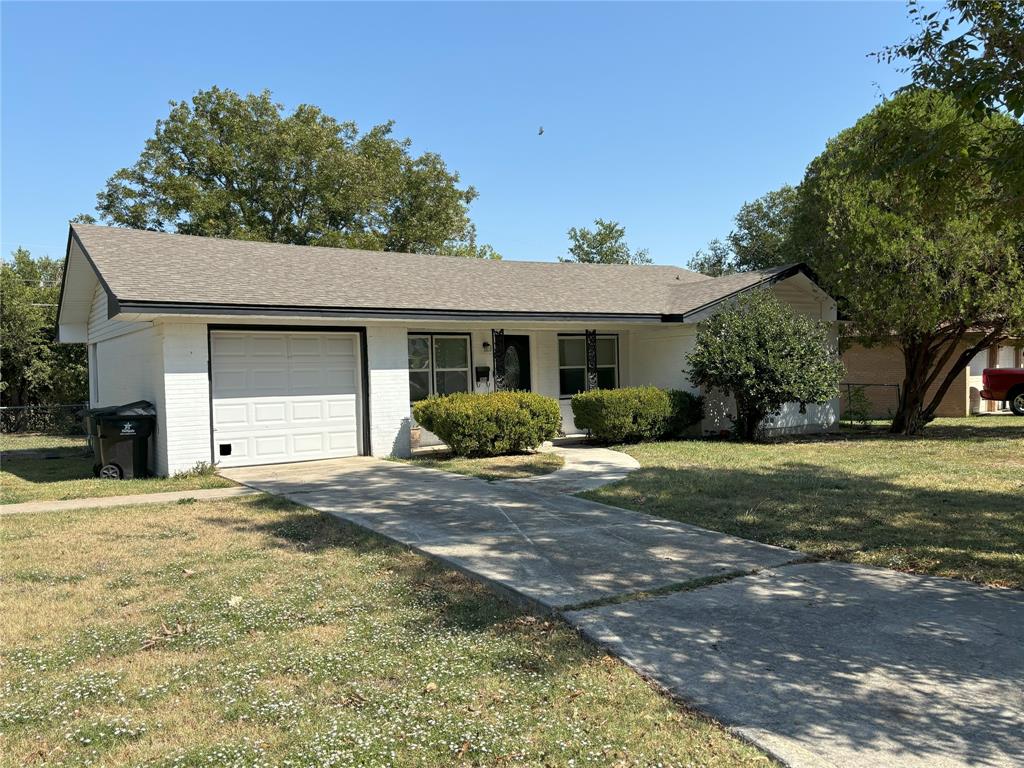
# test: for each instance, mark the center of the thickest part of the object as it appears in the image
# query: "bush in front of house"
(687, 410)
(765, 355)
(625, 415)
(490, 423)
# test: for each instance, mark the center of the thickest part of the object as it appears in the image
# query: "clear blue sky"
(664, 117)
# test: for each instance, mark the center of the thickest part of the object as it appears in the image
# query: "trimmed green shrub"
(625, 415)
(491, 423)
(687, 410)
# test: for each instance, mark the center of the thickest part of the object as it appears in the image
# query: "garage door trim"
(364, 368)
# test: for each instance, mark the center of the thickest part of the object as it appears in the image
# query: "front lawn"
(256, 632)
(495, 467)
(48, 470)
(949, 503)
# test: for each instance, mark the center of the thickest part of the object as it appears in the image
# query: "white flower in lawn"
(234, 601)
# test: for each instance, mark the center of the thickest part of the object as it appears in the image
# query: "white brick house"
(260, 353)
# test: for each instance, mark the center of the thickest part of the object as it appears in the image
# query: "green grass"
(38, 442)
(495, 467)
(950, 502)
(256, 632)
(60, 472)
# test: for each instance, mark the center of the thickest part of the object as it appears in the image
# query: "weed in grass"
(106, 732)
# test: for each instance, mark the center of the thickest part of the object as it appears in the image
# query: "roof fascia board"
(113, 307)
(63, 280)
(190, 308)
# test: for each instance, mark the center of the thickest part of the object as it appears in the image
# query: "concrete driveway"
(555, 551)
(820, 664)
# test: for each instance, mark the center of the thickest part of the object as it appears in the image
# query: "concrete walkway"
(821, 664)
(549, 550)
(585, 468)
(97, 502)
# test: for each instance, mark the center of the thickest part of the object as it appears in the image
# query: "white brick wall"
(184, 440)
(387, 350)
(127, 368)
(658, 356)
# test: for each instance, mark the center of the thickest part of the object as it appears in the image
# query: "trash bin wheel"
(111, 472)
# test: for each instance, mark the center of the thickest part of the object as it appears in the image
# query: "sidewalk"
(100, 502)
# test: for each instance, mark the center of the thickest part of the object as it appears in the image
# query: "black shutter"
(498, 353)
(591, 337)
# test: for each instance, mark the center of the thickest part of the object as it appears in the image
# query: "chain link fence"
(863, 402)
(42, 427)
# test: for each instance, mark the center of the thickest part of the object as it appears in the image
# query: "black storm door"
(517, 362)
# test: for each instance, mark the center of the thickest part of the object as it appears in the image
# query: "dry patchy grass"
(255, 632)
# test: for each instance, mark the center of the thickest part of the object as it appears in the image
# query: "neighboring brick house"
(880, 371)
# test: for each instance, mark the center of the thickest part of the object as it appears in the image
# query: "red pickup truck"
(1004, 385)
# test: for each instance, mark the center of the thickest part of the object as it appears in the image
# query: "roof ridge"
(274, 244)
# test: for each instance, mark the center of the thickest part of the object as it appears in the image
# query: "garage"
(280, 396)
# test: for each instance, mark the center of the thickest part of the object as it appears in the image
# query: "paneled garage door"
(284, 396)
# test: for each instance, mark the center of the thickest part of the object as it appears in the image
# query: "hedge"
(492, 423)
(687, 410)
(632, 414)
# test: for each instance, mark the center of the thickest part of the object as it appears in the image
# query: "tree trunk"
(924, 360)
(747, 422)
(910, 418)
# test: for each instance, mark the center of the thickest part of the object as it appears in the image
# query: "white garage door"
(284, 396)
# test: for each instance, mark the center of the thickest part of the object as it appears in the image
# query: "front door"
(517, 362)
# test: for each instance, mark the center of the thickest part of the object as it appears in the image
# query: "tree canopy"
(226, 165)
(759, 239)
(715, 260)
(36, 369)
(764, 355)
(973, 51)
(604, 244)
(915, 239)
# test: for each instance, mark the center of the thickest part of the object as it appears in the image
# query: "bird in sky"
(540, 131)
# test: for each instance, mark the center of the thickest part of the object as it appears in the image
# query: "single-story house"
(259, 352)
(879, 370)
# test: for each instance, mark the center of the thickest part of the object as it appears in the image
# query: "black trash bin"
(120, 438)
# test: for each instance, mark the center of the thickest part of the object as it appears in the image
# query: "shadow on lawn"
(56, 466)
(973, 533)
(977, 429)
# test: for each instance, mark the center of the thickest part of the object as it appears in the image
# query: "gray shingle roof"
(141, 267)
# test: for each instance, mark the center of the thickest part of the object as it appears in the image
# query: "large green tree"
(714, 260)
(226, 165)
(763, 354)
(760, 237)
(604, 244)
(916, 241)
(973, 51)
(36, 369)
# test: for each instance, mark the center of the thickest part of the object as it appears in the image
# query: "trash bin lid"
(138, 408)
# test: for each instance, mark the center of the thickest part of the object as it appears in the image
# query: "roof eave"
(129, 306)
(782, 274)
